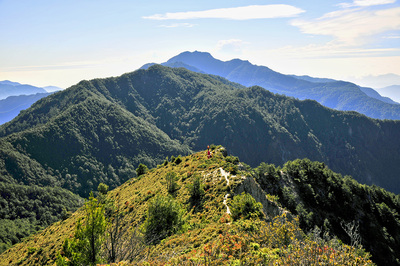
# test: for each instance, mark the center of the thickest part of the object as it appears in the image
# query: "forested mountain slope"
(95, 128)
(27, 209)
(90, 142)
(338, 95)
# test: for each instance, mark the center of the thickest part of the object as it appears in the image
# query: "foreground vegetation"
(206, 221)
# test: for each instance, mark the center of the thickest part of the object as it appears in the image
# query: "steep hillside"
(220, 225)
(81, 130)
(91, 142)
(338, 95)
(340, 206)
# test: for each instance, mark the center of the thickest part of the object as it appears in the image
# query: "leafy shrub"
(245, 206)
(142, 169)
(196, 192)
(164, 218)
(172, 186)
(232, 159)
(178, 160)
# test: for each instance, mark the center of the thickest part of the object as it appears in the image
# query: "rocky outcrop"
(270, 208)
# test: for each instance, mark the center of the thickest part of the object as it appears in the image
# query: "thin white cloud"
(365, 3)
(234, 13)
(177, 25)
(67, 65)
(352, 27)
(329, 50)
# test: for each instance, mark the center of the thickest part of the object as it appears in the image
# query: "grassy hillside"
(210, 234)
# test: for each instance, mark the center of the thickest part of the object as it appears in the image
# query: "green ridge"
(209, 234)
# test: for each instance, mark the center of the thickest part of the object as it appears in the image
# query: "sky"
(59, 43)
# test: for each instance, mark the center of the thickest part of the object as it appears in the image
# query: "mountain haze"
(393, 91)
(12, 105)
(104, 128)
(9, 88)
(338, 95)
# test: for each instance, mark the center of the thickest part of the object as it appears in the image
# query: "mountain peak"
(193, 57)
(8, 82)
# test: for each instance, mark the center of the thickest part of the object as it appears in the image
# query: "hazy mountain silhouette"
(338, 95)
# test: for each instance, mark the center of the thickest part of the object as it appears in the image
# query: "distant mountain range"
(391, 91)
(379, 81)
(15, 97)
(9, 88)
(12, 105)
(368, 91)
(339, 95)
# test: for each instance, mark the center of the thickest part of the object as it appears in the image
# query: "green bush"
(142, 169)
(178, 160)
(171, 179)
(245, 206)
(232, 159)
(196, 192)
(164, 218)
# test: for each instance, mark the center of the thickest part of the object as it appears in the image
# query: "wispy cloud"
(60, 66)
(177, 25)
(234, 13)
(329, 50)
(351, 28)
(364, 3)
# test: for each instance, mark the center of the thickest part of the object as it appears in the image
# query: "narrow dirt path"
(225, 175)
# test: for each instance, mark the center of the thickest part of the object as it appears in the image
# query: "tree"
(85, 247)
(122, 244)
(142, 169)
(102, 188)
(171, 179)
(196, 192)
(164, 218)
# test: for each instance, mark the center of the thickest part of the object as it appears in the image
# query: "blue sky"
(50, 42)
